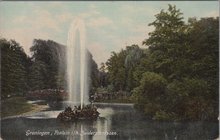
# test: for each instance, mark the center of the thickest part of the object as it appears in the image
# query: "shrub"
(148, 95)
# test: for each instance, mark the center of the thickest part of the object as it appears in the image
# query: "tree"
(14, 68)
(102, 67)
(48, 59)
(149, 94)
(204, 51)
(120, 67)
(167, 42)
(93, 73)
(116, 70)
(189, 99)
(186, 54)
(103, 75)
(132, 60)
(134, 53)
(37, 74)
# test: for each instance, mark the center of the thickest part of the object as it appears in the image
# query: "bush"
(162, 115)
(148, 95)
(151, 86)
(190, 99)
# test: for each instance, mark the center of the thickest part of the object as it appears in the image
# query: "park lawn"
(14, 106)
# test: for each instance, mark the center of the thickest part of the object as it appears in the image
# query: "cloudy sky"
(110, 26)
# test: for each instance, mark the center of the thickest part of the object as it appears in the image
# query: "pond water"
(116, 122)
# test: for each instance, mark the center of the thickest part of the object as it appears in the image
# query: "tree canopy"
(14, 69)
(185, 55)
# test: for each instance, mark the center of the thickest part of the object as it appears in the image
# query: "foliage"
(188, 99)
(116, 70)
(204, 51)
(103, 76)
(93, 73)
(185, 55)
(167, 42)
(48, 65)
(14, 69)
(45, 69)
(150, 92)
(120, 67)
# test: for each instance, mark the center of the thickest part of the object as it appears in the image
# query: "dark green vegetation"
(14, 69)
(14, 106)
(20, 73)
(127, 100)
(47, 65)
(87, 112)
(174, 78)
(45, 69)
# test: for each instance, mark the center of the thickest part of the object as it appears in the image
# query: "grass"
(14, 106)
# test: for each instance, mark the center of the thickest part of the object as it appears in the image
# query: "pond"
(116, 122)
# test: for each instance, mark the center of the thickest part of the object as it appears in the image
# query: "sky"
(110, 26)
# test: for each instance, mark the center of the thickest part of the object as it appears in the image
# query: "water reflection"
(125, 121)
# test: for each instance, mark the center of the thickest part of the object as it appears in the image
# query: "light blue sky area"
(110, 26)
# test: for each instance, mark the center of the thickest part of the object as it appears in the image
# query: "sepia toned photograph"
(109, 70)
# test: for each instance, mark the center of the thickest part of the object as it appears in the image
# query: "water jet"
(77, 75)
(77, 63)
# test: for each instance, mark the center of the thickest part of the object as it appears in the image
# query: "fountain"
(77, 70)
(77, 75)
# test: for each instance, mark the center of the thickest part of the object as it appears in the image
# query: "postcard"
(109, 70)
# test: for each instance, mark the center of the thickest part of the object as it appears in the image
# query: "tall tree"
(187, 57)
(49, 63)
(94, 73)
(204, 50)
(116, 70)
(14, 68)
(167, 42)
(103, 81)
(132, 60)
